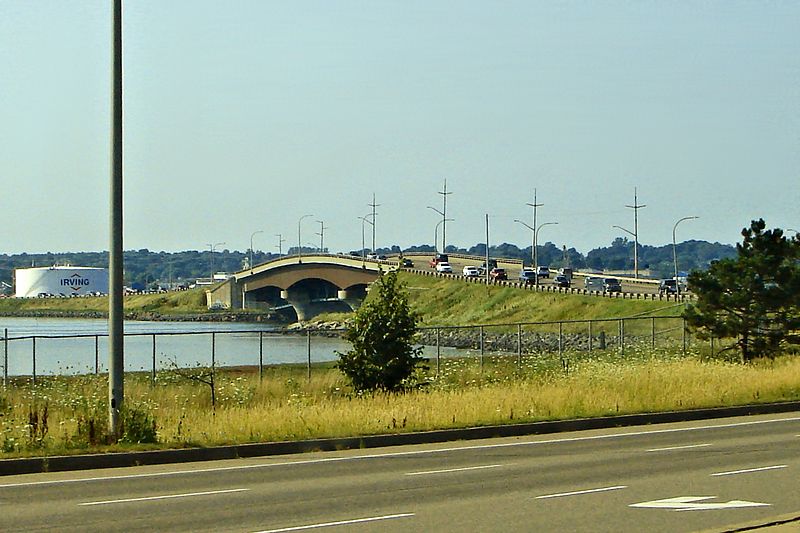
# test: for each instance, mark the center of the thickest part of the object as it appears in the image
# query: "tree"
(753, 297)
(383, 356)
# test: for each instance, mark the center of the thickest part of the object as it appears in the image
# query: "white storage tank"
(60, 281)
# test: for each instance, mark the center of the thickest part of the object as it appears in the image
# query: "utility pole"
(116, 339)
(373, 205)
(322, 228)
(636, 206)
(534, 205)
(444, 194)
(281, 240)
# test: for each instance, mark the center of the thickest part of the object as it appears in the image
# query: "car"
(498, 273)
(527, 276)
(439, 258)
(561, 281)
(612, 285)
(492, 264)
(668, 286)
(593, 283)
(471, 271)
(406, 263)
(372, 255)
(543, 271)
(444, 267)
(566, 271)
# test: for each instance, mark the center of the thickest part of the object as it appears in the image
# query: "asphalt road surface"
(694, 476)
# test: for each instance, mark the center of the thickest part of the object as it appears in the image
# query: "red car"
(498, 273)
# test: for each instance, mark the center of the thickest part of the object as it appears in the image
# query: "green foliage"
(754, 297)
(383, 356)
(138, 426)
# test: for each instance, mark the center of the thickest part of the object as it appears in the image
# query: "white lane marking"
(340, 523)
(748, 470)
(689, 503)
(165, 497)
(452, 470)
(671, 448)
(400, 454)
(579, 492)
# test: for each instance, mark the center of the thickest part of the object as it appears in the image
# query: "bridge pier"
(301, 301)
(353, 297)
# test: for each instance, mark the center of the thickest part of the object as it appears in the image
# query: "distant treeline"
(145, 268)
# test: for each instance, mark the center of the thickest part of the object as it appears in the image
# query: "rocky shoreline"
(151, 316)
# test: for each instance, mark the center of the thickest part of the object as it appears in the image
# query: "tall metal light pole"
(533, 240)
(536, 237)
(213, 246)
(436, 239)
(116, 340)
(299, 242)
(635, 257)
(534, 205)
(322, 228)
(364, 219)
(675, 251)
(374, 214)
(436, 231)
(636, 206)
(443, 212)
(486, 273)
(251, 248)
(281, 240)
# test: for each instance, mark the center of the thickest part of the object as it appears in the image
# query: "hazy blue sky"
(245, 115)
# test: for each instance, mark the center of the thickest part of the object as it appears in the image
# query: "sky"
(243, 116)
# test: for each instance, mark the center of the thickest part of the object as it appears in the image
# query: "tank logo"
(74, 282)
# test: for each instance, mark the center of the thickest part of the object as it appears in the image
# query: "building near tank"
(60, 281)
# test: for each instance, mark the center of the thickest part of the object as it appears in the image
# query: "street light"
(536, 240)
(441, 214)
(251, 248)
(675, 252)
(436, 232)
(363, 219)
(635, 247)
(299, 245)
(212, 246)
(533, 241)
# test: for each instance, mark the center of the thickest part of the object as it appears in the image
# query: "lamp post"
(212, 246)
(675, 252)
(443, 212)
(299, 244)
(251, 248)
(436, 239)
(322, 228)
(635, 253)
(534, 244)
(364, 219)
(436, 231)
(536, 240)
(636, 206)
(533, 241)
(374, 214)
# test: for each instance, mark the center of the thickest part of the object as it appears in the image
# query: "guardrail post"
(308, 352)
(438, 352)
(153, 369)
(260, 356)
(519, 345)
(33, 361)
(5, 357)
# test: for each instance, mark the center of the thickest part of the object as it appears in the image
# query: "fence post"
(622, 336)
(591, 336)
(481, 348)
(519, 345)
(308, 353)
(561, 343)
(683, 320)
(654, 333)
(33, 360)
(153, 369)
(5, 357)
(213, 351)
(260, 356)
(712, 347)
(96, 354)
(438, 352)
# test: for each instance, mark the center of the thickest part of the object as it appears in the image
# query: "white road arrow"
(688, 503)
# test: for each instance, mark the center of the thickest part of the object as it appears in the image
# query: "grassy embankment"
(286, 406)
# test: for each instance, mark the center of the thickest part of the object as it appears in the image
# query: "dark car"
(668, 286)
(498, 273)
(527, 276)
(612, 285)
(561, 281)
(407, 263)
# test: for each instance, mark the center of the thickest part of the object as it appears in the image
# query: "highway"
(705, 475)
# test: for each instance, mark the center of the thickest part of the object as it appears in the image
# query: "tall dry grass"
(285, 406)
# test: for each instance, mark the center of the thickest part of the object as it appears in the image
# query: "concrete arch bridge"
(301, 286)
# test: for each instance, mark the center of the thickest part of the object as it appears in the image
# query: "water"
(183, 343)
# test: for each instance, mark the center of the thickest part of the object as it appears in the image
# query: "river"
(184, 343)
